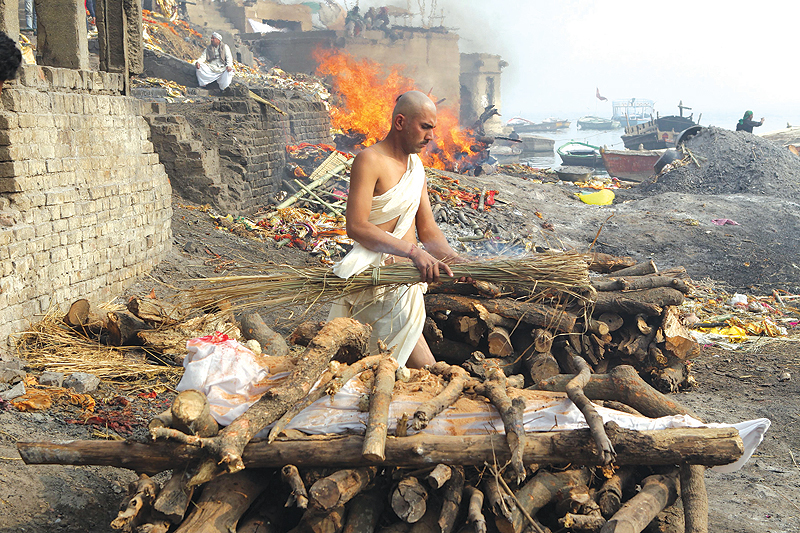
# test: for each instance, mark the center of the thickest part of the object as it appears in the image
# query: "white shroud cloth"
(395, 314)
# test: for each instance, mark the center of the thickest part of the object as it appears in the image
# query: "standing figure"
(30, 15)
(388, 209)
(216, 63)
(747, 123)
(10, 59)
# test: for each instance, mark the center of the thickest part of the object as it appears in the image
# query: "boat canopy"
(633, 107)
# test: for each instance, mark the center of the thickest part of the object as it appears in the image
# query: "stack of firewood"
(631, 318)
(393, 479)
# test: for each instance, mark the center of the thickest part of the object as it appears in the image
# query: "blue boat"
(633, 111)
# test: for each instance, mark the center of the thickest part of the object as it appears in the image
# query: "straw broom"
(284, 285)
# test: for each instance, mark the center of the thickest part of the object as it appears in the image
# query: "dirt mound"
(732, 163)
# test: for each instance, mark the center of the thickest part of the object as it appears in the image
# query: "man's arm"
(228, 58)
(363, 177)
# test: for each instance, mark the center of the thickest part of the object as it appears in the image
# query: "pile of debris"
(720, 161)
(397, 476)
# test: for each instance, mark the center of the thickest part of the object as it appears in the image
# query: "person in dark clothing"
(747, 123)
(10, 59)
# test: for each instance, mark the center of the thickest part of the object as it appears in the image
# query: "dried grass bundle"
(565, 273)
(51, 345)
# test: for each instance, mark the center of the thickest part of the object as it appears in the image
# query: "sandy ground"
(732, 385)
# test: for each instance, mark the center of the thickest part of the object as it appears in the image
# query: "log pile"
(630, 318)
(394, 479)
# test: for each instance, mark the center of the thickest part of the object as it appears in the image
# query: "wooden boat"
(572, 173)
(580, 154)
(632, 111)
(523, 125)
(536, 144)
(657, 133)
(630, 165)
(597, 123)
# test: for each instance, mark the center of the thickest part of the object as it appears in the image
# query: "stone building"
(480, 87)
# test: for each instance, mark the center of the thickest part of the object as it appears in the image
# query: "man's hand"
(428, 265)
(762, 120)
(229, 69)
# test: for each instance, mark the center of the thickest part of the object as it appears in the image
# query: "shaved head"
(411, 103)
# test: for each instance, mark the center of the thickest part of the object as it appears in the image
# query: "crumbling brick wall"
(233, 154)
(85, 205)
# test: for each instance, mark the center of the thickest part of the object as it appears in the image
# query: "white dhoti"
(396, 315)
(207, 74)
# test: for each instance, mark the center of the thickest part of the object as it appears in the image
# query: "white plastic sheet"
(233, 378)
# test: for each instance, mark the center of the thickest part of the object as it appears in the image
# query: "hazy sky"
(720, 58)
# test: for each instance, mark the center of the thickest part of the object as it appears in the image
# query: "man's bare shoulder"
(372, 154)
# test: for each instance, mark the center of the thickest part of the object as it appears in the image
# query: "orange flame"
(366, 95)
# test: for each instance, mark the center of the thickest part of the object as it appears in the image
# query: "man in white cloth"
(387, 210)
(216, 63)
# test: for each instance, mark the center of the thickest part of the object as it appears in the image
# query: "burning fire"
(366, 96)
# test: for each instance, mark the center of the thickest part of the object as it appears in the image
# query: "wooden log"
(340, 487)
(253, 327)
(499, 342)
(617, 302)
(331, 521)
(580, 522)
(364, 512)
(708, 446)
(671, 378)
(78, 313)
(641, 282)
(475, 509)
(669, 520)
(612, 320)
(574, 388)
(542, 340)
(638, 269)
(695, 498)
(134, 510)
(439, 476)
(609, 496)
(619, 406)
(657, 493)
(409, 500)
(600, 262)
(678, 342)
(451, 351)
(537, 493)
(174, 497)
(431, 331)
(223, 501)
(457, 377)
(154, 311)
(161, 420)
(123, 326)
(305, 332)
(451, 504)
(169, 343)
(191, 413)
(379, 400)
(540, 365)
(531, 313)
(326, 387)
(500, 503)
(622, 384)
(511, 411)
(298, 495)
(469, 327)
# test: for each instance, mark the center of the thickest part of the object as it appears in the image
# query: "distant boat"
(657, 133)
(580, 154)
(630, 165)
(597, 123)
(537, 144)
(523, 125)
(633, 111)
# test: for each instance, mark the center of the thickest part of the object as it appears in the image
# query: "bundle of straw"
(284, 285)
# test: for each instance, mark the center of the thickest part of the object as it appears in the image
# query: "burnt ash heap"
(732, 163)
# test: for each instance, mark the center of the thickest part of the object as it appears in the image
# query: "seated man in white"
(216, 63)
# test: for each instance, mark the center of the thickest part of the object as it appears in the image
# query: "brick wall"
(230, 153)
(84, 202)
